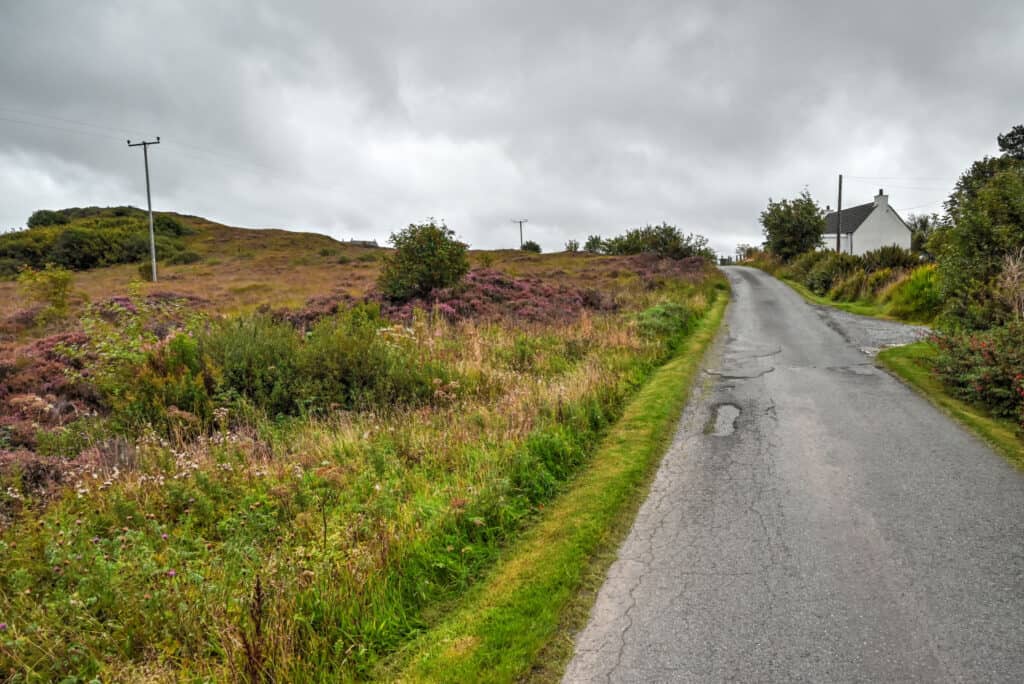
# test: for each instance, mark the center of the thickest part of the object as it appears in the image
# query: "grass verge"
(520, 620)
(874, 310)
(912, 364)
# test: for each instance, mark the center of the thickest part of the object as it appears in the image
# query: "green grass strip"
(519, 621)
(913, 363)
(875, 310)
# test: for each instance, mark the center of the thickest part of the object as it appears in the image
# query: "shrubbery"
(664, 240)
(829, 270)
(986, 367)
(81, 239)
(531, 246)
(50, 287)
(426, 257)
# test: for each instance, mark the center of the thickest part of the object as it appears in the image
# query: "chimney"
(827, 209)
(881, 199)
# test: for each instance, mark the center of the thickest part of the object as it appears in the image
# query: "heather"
(283, 494)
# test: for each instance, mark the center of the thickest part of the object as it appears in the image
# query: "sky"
(356, 119)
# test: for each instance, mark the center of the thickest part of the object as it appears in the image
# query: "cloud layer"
(358, 118)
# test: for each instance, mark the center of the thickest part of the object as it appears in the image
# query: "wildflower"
(172, 573)
(164, 536)
(3, 626)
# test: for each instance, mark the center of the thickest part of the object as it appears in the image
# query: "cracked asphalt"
(814, 520)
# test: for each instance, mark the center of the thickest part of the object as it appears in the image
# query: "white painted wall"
(829, 243)
(881, 228)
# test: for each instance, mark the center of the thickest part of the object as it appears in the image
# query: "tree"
(745, 251)
(572, 246)
(1011, 143)
(922, 227)
(426, 257)
(792, 227)
(531, 246)
(971, 252)
(594, 245)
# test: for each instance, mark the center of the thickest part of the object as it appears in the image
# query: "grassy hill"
(258, 469)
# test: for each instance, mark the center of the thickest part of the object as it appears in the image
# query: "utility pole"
(520, 222)
(839, 215)
(149, 201)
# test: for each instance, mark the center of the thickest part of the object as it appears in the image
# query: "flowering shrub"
(986, 368)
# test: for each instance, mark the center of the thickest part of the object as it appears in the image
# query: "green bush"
(348, 362)
(918, 297)
(851, 287)
(184, 257)
(877, 281)
(50, 287)
(425, 257)
(827, 272)
(801, 266)
(572, 246)
(890, 256)
(257, 358)
(664, 240)
(90, 237)
(670, 321)
(986, 368)
(594, 245)
(531, 246)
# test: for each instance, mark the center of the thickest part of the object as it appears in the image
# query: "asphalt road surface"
(814, 521)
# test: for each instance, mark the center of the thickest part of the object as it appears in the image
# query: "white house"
(867, 227)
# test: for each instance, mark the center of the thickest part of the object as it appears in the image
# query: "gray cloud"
(356, 118)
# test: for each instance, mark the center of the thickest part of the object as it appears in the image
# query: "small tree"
(594, 245)
(531, 246)
(792, 227)
(572, 246)
(50, 287)
(426, 256)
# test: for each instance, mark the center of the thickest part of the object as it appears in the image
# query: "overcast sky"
(355, 119)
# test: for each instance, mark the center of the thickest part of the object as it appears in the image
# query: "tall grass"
(280, 543)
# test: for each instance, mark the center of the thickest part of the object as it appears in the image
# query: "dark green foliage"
(922, 226)
(426, 257)
(572, 246)
(84, 238)
(670, 321)
(889, 256)
(594, 244)
(531, 246)
(1011, 143)
(45, 217)
(663, 240)
(970, 253)
(972, 180)
(986, 367)
(801, 266)
(256, 358)
(792, 227)
(185, 257)
(828, 271)
(346, 361)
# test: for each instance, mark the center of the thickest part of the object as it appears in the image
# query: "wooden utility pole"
(839, 216)
(149, 201)
(520, 222)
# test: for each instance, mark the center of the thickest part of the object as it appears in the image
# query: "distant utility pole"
(520, 222)
(149, 201)
(839, 215)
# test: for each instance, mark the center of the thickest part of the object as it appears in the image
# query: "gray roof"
(852, 218)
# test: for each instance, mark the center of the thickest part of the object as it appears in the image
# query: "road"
(814, 521)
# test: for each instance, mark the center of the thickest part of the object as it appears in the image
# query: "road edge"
(907, 363)
(521, 621)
